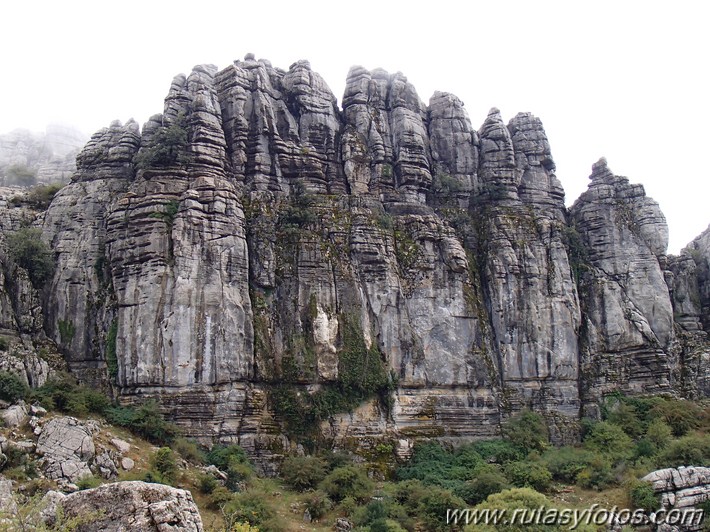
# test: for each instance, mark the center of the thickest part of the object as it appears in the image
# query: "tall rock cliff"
(277, 270)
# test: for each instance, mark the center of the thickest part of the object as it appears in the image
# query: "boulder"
(134, 505)
(67, 448)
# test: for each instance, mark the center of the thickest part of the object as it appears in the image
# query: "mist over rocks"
(255, 242)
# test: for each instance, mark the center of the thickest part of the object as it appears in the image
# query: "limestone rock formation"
(28, 158)
(277, 271)
(66, 446)
(627, 330)
(129, 505)
(681, 488)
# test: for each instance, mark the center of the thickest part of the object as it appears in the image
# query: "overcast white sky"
(622, 79)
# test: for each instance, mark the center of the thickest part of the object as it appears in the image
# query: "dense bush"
(189, 450)
(566, 463)
(528, 474)
(520, 498)
(11, 387)
(163, 467)
(433, 506)
(609, 440)
(527, 430)
(487, 481)
(234, 462)
(347, 481)
(642, 495)
(498, 451)
(303, 472)
(145, 421)
(63, 393)
(690, 450)
(659, 434)
(28, 250)
(318, 503)
(598, 474)
(681, 416)
(4, 343)
(249, 508)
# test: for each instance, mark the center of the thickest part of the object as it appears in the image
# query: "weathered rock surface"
(15, 415)
(130, 506)
(681, 488)
(255, 241)
(627, 329)
(66, 446)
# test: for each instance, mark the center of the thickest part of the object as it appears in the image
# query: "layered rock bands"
(256, 251)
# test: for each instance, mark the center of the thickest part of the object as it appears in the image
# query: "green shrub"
(433, 506)
(28, 250)
(690, 450)
(207, 483)
(498, 451)
(681, 416)
(527, 430)
(4, 344)
(145, 421)
(303, 472)
(566, 463)
(609, 440)
(527, 474)
(63, 393)
(520, 498)
(221, 455)
(89, 482)
(163, 467)
(318, 504)
(11, 387)
(249, 508)
(659, 434)
(598, 474)
(347, 481)
(219, 497)
(488, 480)
(643, 496)
(409, 493)
(625, 416)
(41, 196)
(111, 358)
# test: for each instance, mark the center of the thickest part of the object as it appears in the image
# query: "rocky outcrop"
(66, 446)
(28, 158)
(277, 271)
(627, 329)
(127, 506)
(682, 488)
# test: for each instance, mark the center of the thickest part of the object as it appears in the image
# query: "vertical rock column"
(627, 314)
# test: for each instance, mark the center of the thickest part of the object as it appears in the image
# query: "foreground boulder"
(67, 448)
(124, 506)
(681, 487)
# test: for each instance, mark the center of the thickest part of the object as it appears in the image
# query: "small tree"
(163, 467)
(348, 481)
(11, 387)
(29, 251)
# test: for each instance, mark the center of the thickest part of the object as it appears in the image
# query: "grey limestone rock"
(67, 448)
(129, 506)
(628, 317)
(253, 236)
